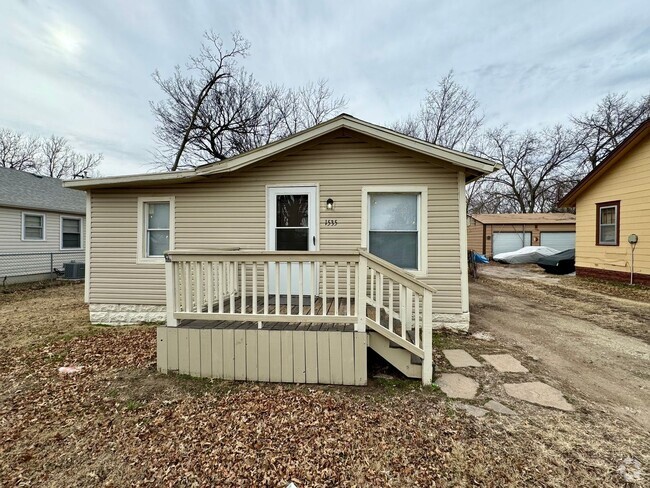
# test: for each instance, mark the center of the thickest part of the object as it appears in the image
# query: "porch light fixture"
(330, 204)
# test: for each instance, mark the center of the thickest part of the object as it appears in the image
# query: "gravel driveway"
(594, 343)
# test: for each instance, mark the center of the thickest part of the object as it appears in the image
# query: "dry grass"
(119, 423)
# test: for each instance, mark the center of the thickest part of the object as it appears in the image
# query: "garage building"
(492, 234)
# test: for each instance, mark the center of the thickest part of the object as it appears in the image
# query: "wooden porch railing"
(325, 287)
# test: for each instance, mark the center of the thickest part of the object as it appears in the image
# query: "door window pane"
(394, 229)
(292, 239)
(292, 211)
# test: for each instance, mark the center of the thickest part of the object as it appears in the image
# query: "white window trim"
(22, 229)
(142, 257)
(81, 232)
(423, 258)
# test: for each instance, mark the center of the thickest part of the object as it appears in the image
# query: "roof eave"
(468, 162)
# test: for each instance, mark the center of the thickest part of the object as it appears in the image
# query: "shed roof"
(473, 165)
(26, 190)
(526, 218)
(612, 158)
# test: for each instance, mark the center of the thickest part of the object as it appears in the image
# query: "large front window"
(394, 230)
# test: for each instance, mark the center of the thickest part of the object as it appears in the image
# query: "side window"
(70, 233)
(607, 229)
(33, 227)
(155, 228)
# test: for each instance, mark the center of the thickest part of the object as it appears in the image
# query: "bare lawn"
(120, 423)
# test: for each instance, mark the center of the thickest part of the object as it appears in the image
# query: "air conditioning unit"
(74, 271)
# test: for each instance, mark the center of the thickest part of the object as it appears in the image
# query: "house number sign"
(331, 222)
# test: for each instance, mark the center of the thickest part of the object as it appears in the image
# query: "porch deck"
(231, 316)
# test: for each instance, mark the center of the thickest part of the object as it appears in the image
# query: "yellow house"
(612, 211)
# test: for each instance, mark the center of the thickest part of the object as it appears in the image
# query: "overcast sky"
(82, 69)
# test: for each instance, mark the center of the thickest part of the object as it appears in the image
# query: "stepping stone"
(499, 408)
(459, 358)
(538, 393)
(504, 363)
(456, 385)
(472, 410)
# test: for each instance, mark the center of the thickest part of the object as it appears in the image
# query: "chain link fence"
(37, 266)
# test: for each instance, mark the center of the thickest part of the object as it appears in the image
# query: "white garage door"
(558, 240)
(509, 241)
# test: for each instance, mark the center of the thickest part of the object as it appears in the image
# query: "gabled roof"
(525, 218)
(616, 155)
(20, 189)
(474, 165)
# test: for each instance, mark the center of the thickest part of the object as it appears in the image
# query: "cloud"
(83, 70)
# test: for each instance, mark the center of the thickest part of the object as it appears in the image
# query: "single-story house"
(41, 226)
(491, 234)
(613, 208)
(286, 262)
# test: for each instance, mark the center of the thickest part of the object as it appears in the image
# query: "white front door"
(292, 226)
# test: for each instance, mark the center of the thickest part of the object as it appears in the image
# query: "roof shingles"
(20, 189)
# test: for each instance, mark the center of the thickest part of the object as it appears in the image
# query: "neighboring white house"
(41, 226)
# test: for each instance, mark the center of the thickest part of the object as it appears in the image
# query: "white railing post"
(361, 292)
(427, 339)
(170, 291)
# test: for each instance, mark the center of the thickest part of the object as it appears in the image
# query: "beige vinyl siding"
(11, 226)
(628, 181)
(231, 211)
(474, 235)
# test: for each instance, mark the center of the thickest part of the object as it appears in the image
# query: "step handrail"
(391, 268)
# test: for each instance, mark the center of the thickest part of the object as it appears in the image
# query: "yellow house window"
(607, 225)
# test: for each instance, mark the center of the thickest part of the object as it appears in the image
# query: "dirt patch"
(119, 423)
(593, 346)
(36, 313)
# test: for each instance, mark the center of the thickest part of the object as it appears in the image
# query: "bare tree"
(214, 109)
(537, 168)
(179, 116)
(449, 116)
(602, 130)
(18, 151)
(83, 165)
(52, 157)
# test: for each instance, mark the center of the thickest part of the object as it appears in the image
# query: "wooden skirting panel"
(283, 356)
(606, 274)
